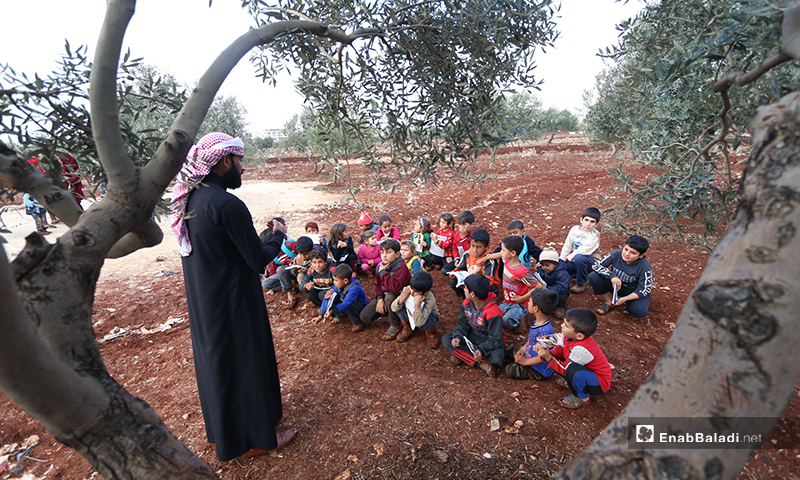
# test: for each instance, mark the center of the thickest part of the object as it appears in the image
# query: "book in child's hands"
(552, 340)
(437, 250)
(460, 277)
(410, 309)
(470, 345)
(330, 301)
(615, 296)
(539, 279)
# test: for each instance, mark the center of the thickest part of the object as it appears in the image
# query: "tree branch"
(169, 157)
(741, 78)
(33, 377)
(147, 236)
(103, 97)
(19, 175)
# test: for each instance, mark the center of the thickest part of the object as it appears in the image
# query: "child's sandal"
(291, 302)
(391, 334)
(572, 402)
(603, 309)
(561, 382)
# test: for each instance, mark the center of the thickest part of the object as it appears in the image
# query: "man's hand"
(278, 227)
(381, 307)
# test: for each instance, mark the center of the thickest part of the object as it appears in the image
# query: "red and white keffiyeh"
(201, 158)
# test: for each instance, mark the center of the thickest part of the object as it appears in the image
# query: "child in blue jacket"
(556, 277)
(350, 299)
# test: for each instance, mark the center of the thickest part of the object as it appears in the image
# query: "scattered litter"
(440, 456)
(167, 273)
(487, 456)
(117, 332)
(352, 458)
(346, 475)
(519, 424)
(515, 395)
(511, 430)
(494, 425)
(380, 449)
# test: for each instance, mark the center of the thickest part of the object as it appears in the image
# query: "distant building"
(275, 133)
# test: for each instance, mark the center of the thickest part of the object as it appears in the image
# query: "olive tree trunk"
(734, 351)
(50, 364)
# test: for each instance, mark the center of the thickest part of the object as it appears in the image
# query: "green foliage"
(554, 120)
(424, 77)
(659, 99)
(49, 115)
(295, 133)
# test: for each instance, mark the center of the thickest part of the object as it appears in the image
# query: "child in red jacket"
(391, 275)
(442, 242)
(580, 359)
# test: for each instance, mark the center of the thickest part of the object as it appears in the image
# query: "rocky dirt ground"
(366, 408)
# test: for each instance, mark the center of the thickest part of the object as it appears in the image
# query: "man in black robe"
(234, 357)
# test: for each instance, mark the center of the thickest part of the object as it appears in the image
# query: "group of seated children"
(574, 355)
(499, 289)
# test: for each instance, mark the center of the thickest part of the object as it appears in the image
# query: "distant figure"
(34, 209)
(234, 357)
(69, 169)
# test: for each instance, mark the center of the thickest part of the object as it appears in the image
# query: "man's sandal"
(391, 334)
(603, 309)
(572, 402)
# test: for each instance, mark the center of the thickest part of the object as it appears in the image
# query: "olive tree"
(50, 364)
(720, 361)
(677, 97)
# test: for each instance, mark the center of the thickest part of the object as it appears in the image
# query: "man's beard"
(232, 178)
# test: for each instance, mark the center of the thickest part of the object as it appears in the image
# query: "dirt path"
(265, 199)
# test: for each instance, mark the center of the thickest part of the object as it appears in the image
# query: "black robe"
(237, 373)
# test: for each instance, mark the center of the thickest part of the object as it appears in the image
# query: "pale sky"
(184, 36)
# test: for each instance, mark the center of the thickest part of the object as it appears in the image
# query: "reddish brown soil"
(366, 408)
